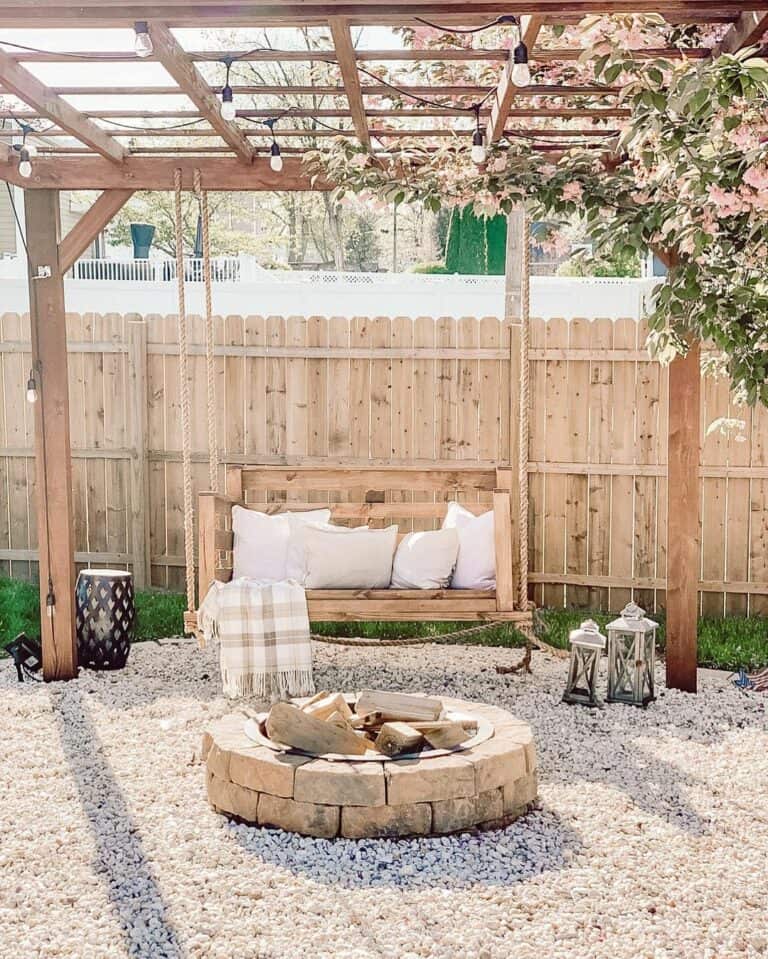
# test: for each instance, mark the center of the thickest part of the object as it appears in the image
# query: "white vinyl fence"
(241, 287)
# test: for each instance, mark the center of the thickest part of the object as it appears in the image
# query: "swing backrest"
(414, 497)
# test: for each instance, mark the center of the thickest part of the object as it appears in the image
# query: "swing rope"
(186, 438)
(210, 368)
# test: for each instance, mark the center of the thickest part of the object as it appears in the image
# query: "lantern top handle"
(632, 620)
(633, 611)
(588, 634)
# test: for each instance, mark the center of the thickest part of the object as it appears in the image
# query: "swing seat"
(371, 494)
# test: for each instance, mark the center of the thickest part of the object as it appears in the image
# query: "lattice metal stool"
(105, 617)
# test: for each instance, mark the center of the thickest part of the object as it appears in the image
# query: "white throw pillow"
(425, 560)
(341, 558)
(261, 541)
(476, 562)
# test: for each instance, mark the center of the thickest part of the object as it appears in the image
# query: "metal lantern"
(587, 643)
(631, 657)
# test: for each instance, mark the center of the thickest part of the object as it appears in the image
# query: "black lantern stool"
(105, 616)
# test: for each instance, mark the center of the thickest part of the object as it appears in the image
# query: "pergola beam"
(196, 13)
(157, 173)
(573, 113)
(365, 90)
(549, 55)
(172, 56)
(506, 90)
(745, 32)
(345, 53)
(46, 103)
(88, 227)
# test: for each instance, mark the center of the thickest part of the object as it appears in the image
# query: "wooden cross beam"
(345, 52)
(28, 88)
(185, 73)
(506, 91)
(745, 32)
(88, 227)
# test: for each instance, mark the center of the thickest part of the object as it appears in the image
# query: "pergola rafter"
(23, 84)
(172, 56)
(507, 90)
(345, 52)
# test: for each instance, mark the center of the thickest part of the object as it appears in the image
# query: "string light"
(275, 160)
(228, 111)
(478, 152)
(521, 72)
(31, 388)
(142, 45)
(25, 167)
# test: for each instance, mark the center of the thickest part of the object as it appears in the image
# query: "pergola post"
(683, 539)
(52, 444)
(513, 314)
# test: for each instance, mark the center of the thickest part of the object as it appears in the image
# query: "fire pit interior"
(374, 764)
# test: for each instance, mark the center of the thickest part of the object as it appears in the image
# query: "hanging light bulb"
(275, 160)
(478, 152)
(143, 43)
(521, 72)
(31, 388)
(228, 111)
(25, 167)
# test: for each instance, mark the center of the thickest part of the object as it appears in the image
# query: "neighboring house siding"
(7, 225)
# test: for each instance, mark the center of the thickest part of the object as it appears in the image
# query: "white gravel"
(651, 839)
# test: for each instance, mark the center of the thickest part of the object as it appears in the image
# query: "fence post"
(137, 438)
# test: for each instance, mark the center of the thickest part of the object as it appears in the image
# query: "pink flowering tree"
(688, 179)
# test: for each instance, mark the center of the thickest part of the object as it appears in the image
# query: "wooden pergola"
(86, 150)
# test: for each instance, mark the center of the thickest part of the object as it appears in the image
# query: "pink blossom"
(727, 203)
(572, 190)
(756, 177)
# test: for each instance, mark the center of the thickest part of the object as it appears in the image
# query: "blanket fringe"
(284, 684)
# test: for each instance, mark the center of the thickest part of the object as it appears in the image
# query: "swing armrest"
(215, 539)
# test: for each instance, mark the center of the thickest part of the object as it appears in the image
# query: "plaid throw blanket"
(263, 631)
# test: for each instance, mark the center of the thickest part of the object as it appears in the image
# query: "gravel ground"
(650, 840)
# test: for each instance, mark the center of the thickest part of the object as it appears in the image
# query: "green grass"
(723, 643)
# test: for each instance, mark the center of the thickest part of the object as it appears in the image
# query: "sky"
(140, 73)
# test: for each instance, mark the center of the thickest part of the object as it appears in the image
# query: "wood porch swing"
(248, 486)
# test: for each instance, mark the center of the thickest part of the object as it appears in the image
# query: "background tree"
(689, 180)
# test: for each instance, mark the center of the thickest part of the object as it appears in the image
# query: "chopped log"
(290, 726)
(399, 706)
(366, 721)
(468, 724)
(331, 703)
(315, 699)
(447, 736)
(397, 738)
(338, 720)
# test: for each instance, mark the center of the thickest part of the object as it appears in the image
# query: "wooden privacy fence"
(364, 390)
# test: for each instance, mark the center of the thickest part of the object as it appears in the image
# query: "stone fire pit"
(486, 782)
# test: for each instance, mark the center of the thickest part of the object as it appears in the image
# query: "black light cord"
(504, 18)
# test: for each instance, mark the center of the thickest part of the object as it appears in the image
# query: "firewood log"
(323, 708)
(398, 706)
(397, 738)
(447, 736)
(290, 726)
